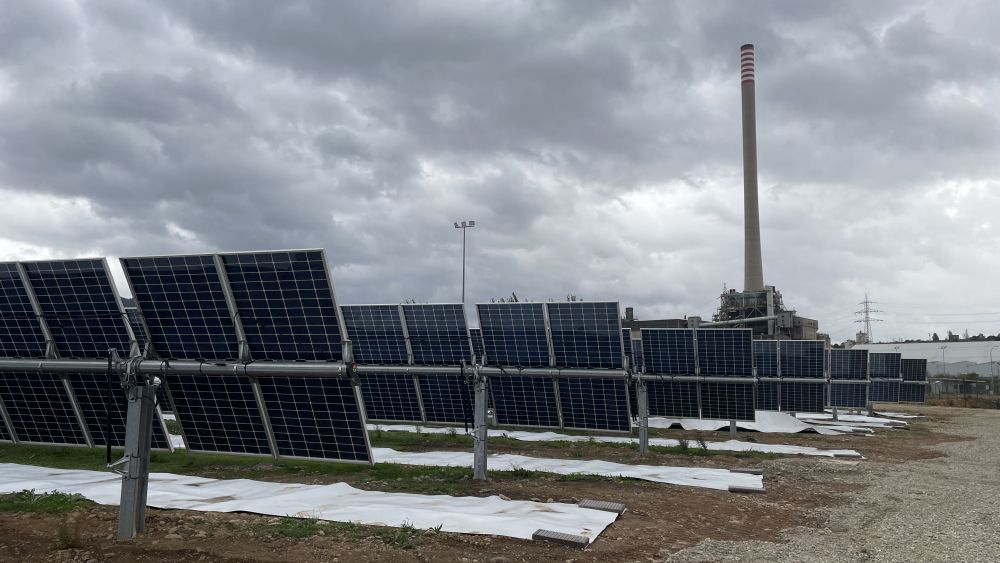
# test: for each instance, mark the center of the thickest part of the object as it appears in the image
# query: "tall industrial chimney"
(753, 273)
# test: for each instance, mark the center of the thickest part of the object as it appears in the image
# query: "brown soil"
(660, 518)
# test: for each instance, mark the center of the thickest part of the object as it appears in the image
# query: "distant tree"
(935, 338)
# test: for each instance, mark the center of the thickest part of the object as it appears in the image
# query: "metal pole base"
(135, 461)
(480, 431)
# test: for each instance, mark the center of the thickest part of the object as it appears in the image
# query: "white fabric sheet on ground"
(767, 421)
(338, 502)
(898, 414)
(719, 479)
(726, 446)
(848, 419)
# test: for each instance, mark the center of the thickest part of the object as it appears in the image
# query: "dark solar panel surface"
(912, 392)
(476, 336)
(767, 396)
(765, 358)
(138, 329)
(20, 333)
(285, 302)
(524, 401)
(79, 306)
(91, 392)
(39, 408)
(803, 397)
(438, 333)
(849, 395)
(848, 364)
(448, 398)
(218, 413)
(882, 365)
(668, 351)
(586, 334)
(627, 343)
(514, 334)
(594, 403)
(390, 397)
(376, 334)
(913, 369)
(637, 364)
(182, 300)
(315, 417)
(802, 358)
(673, 399)
(725, 352)
(881, 391)
(727, 401)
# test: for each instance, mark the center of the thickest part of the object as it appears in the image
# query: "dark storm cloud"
(597, 144)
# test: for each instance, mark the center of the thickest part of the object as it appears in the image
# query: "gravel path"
(944, 509)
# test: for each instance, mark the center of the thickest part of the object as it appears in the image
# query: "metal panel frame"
(5, 420)
(242, 346)
(51, 349)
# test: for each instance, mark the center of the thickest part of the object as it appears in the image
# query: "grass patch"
(402, 537)
(47, 503)
(68, 534)
(173, 426)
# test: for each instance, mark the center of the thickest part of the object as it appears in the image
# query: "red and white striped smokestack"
(753, 269)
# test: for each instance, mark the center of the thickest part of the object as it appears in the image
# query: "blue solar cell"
(803, 397)
(447, 398)
(849, 395)
(848, 364)
(586, 334)
(91, 392)
(182, 300)
(376, 334)
(438, 334)
(627, 344)
(390, 397)
(767, 396)
(476, 337)
(673, 399)
(725, 352)
(765, 358)
(138, 328)
(910, 392)
(884, 365)
(593, 403)
(286, 305)
(218, 413)
(884, 391)
(913, 369)
(20, 332)
(315, 417)
(39, 408)
(668, 351)
(802, 358)
(525, 401)
(80, 306)
(514, 334)
(727, 401)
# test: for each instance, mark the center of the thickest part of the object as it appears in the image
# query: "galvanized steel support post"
(135, 461)
(480, 430)
(642, 402)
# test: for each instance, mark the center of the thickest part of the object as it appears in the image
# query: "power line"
(866, 316)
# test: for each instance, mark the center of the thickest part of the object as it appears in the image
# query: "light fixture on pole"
(464, 225)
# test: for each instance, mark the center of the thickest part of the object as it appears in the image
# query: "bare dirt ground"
(905, 502)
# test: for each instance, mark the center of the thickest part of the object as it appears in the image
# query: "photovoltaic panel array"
(184, 305)
(913, 389)
(726, 352)
(594, 403)
(848, 364)
(92, 394)
(476, 337)
(438, 334)
(727, 401)
(525, 400)
(40, 409)
(514, 334)
(673, 399)
(20, 332)
(315, 417)
(668, 351)
(376, 333)
(912, 392)
(637, 365)
(765, 357)
(884, 365)
(768, 395)
(138, 329)
(802, 358)
(80, 307)
(913, 369)
(884, 391)
(218, 413)
(285, 303)
(391, 396)
(849, 395)
(586, 334)
(803, 396)
(447, 398)
(627, 342)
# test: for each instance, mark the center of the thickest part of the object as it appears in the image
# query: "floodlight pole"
(480, 432)
(464, 225)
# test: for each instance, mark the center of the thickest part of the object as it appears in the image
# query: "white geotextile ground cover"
(338, 502)
(767, 421)
(851, 420)
(720, 479)
(726, 446)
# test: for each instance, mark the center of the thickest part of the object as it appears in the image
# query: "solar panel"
(848, 364)
(4, 433)
(514, 334)
(912, 392)
(913, 369)
(218, 413)
(727, 401)
(390, 397)
(882, 391)
(525, 401)
(884, 365)
(668, 351)
(725, 352)
(91, 392)
(376, 333)
(592, 403)
(286, 304)
(627, 343)
(315, 417)
(20, 332)
(673, 399)
(802, 358)
(138, 329)
(184, 304)
(637, 364)
(39, 408)
(765, 358)
(447, 398)
(586, 334)
(803, 397)
(80, 306)
(438, 333)
(767, 395)
(849, 395)
(476, 337)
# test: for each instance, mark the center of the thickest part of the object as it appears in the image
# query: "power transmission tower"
(866, 316)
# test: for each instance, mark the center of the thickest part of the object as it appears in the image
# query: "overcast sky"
(596, 144)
